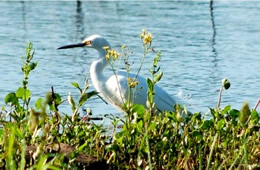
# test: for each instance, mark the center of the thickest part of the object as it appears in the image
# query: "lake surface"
(201, 44)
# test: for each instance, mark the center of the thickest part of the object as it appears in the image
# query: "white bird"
(115, 89)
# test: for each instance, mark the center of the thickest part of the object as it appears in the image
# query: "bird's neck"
(96, 70)
(101, 62)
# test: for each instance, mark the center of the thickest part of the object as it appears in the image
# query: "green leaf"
(82, 147)
(58, 98)
(220, 124)
(213, 112)
(11, 98)
(254, 117)
(77, 86)
(197, 135)
(38, 103)
(152, 126)
(234, 113)
(15, 117)
(2, 131)
(50, 98)
(156, 59)
(139, 109)
(158, 77)
(113, 147)
(150, 90)
(22, 93)
(86, 96)
(207, 124)
(226, 109)
(140, 126)
(19, 133)
(150, 84)
(196, 116)
(33, 65)
(29, 49)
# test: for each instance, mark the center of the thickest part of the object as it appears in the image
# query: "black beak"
(72, 46)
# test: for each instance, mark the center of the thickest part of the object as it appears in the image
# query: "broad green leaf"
(226, 109)
(207, 124)
(139, 109)
(11, 98)
(197, 135)
(38, 103)
(22, 93)
(234, 113)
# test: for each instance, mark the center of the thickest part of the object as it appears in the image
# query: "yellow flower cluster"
(146, 37)
(132, 82)
(111, 53)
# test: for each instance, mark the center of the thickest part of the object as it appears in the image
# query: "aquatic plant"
(38, 136)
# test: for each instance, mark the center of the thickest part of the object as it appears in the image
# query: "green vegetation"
(228, 140)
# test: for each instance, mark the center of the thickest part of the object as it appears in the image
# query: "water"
(200, 46)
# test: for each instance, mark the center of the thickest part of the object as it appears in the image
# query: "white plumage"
(114, 89)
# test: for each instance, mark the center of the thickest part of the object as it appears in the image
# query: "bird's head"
(94, 41)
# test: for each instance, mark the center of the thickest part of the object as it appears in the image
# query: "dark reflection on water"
(213, 30)
(79, 17)
(201, 43)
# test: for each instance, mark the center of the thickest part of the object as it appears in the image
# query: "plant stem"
(200, 159)
(257, 104)
(220, 95)
(77, 109)
(119, 87)
(238, 156)
(148, 148)
(142, 61)
(245, 152)
(211, 150)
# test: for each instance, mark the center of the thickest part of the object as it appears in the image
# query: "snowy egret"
(114, 89)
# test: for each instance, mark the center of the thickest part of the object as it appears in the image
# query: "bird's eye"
(87, 42)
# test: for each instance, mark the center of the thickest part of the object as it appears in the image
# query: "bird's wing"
(162, 99)
(118, 92)
(117, 89)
